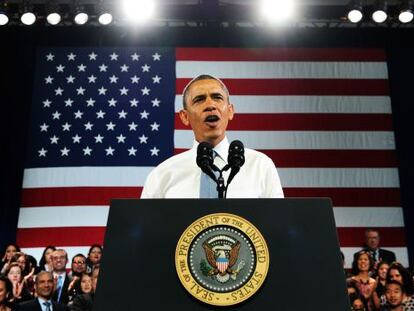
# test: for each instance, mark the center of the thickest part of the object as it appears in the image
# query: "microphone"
(235, 158)
(205, 159)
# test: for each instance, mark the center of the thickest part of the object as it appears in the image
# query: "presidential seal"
(222, 259)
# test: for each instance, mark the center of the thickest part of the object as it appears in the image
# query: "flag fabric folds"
(102, 118)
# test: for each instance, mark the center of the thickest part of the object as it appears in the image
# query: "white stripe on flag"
(63, 216)
(339, 177)
(305, 104)
(85, 176)
(283, 70)
(401, 253)
(265, 140)
(86, 216)
(290, 177)
(369, 217)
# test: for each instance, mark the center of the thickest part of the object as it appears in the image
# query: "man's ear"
(231, 111)
(184, 117)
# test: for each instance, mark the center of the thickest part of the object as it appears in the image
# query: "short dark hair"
(41, 273)
(8, 284)
(95, 246)
(395, 283)
(406, 277)
(78, 255)
(199, 78)
(355, 269)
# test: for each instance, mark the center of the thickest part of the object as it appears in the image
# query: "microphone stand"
(221, 187)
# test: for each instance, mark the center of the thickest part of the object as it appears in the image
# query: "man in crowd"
(78, 265)
(372, 241)
(44, 285)
(61, 278)
(207, 110)
(394, 292)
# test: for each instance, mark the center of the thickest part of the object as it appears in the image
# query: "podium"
(138, 270)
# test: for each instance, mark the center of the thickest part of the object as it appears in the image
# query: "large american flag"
(102, 118)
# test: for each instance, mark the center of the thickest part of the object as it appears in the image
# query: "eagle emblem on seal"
(222, 254)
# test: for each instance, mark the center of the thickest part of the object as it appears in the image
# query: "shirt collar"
(222, 148)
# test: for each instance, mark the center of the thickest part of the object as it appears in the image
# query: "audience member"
(19, 288)
(5, 294)
(394, 293)
(358, 302)
(372, 242)
(397, 272)
(360, 269)
(78, 265)
(84, 302)
(7, 255)
(44, 285)
(45, 262)
(61, 278)
(379, 294)
(94, 257)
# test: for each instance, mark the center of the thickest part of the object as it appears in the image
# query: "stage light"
(104, 16)
(138, 11)
(278, 10)
(52, 11)
(380, 12)
(355, 12)
(80, 15)
(27, 17)
(4, 19)
(407, 13)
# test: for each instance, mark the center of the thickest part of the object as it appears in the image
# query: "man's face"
(394, 295)
(372, 239)
(208, 111)
(79, 264)
(59, 260)
(44, 285)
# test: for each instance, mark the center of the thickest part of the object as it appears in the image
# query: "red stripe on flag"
(350, 196)
(306, 122)
(67, 196)
(329, 158)
(279, 54)
(365, 87)
(63, 236)
(81, 236)
(390, 237)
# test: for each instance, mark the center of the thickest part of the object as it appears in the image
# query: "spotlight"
(4, 19)
(28, 17)
(355, 12)
(278, 10)
(380, 12)
(52, 10)
(406, 14)
(104, 17)
(80, 15)
(139, 11)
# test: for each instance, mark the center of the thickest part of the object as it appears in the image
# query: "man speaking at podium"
(207, 109)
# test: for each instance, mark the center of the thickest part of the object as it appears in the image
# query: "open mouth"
(211, 119)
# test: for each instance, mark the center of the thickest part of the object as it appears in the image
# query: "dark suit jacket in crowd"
(34, 305)
(83, 302)
(64, 297)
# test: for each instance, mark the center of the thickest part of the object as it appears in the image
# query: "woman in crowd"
(94, 257)
(45, 262)
(84, 302)
(358, 302)
(80, 285)
(8, 253)
(5, 293)
(379, 294)
(398, 273)
(361, 266)
(19, 289)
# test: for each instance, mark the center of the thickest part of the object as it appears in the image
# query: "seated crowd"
(47, 286)
(377, 282)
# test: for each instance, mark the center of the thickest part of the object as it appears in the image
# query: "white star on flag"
(44, 127)
(76, 139)
(121, 138)
(124, 68)
(156, 57)
(48, 80)
(154, 126)
(124, 91)
(58, 91)
(110, 126)
(145, 68)
(132, 126)
(102, 91)
(78, 114)
(143, 139)
(87, 151)
(81, 68)
(113, 79)
(56, 115)
(46, 103)
(114, 56)
(156, 79)
(132, 151)
(80, 91)
(134, 102)
(71, 56)
(66, 127)
(156, 102)
(135, 57)
(100, 114)
(65, 151)
(154, 151)
(144, 114)
(54, 139)
(109, 151)
(99, 139)
(68, 102)
(60, 68)
(42, 152)
(90, 102)
(92, 56)
(102, 68)
(122, 114)
(92, 79)
(50, 57)
(145, 91)
(88, 126)
(70, 79)
(112, 102)
(134, 79)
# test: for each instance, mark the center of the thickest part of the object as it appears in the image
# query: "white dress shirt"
(44, 308)
(179, 176)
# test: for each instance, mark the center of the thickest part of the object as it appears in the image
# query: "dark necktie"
(47, 305)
